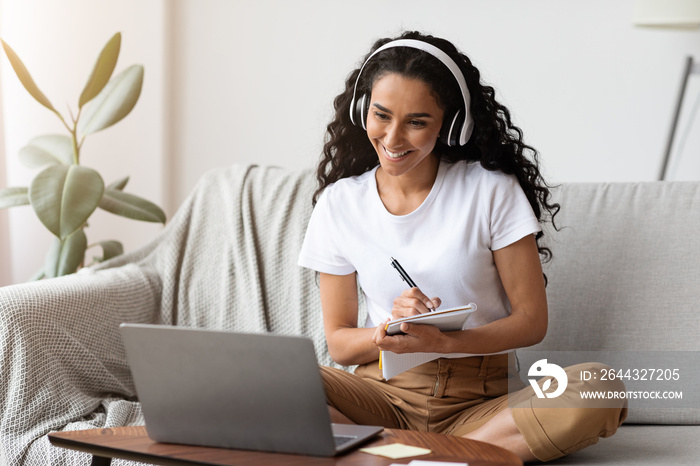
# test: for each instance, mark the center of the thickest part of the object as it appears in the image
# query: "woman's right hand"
(413, 302)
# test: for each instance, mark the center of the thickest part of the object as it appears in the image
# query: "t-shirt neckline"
(427, 202)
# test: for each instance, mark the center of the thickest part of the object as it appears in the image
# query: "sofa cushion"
(626, 273)
(634, 445)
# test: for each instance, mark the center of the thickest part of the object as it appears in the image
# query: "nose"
(394, 136)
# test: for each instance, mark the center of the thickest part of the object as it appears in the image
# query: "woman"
(422, 164)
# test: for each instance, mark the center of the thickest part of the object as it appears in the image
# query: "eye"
(417, 123)
(381, 116)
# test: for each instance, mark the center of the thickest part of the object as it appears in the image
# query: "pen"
(403, 273)
(405, 276)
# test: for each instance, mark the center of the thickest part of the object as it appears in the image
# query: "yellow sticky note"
(396, 450)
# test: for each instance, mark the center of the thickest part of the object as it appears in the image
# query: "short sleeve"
(320, 250)
(511, 215)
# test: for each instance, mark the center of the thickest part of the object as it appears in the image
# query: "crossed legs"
(519, 422)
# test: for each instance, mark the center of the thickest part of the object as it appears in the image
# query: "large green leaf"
(115, 101)
(63, 197)
(47, 150)
(38, 275)
(104, 67)
(110, 249)
(10, 197)
(119, 184)
(25, 78)
(131, 206)
(65, 256)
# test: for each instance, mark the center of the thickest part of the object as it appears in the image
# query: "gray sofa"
(625, 276)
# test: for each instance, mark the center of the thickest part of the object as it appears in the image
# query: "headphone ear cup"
(451, 129)
(360, 111)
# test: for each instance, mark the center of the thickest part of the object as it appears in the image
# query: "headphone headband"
(467, 126)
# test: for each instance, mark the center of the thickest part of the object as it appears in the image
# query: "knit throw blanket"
(227, 260)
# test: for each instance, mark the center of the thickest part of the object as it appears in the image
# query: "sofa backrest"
(626, 268)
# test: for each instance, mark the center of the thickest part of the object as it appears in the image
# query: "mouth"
(396, 155)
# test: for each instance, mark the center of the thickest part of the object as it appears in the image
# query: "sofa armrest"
(61, 352)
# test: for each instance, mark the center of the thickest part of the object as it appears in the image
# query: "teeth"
(395, 155)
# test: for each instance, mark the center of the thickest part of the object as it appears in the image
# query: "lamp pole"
(676, 115)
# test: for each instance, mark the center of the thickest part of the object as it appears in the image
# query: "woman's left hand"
(417, 338)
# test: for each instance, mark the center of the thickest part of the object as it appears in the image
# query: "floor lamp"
(671, 14)
(691, 67)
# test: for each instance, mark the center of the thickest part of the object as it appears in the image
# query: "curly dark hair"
(495, 142)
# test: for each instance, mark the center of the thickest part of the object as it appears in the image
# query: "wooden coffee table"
(132, 443)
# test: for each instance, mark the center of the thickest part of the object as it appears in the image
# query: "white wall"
(593, 93)
(59, 42)
(253, 81)
(5, 269)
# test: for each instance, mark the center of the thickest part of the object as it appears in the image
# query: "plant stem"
(60, 117)
(73, 132)
(76, 149)
(74, 138)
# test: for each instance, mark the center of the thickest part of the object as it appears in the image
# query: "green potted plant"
(64, 194)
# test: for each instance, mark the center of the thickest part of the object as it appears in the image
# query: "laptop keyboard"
(341, 440)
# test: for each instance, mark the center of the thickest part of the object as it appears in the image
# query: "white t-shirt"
(445, 245)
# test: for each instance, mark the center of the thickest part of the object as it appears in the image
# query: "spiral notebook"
(447, 320)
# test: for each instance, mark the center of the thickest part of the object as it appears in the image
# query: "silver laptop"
(234, 390)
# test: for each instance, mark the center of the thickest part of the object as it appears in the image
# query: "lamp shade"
(667, 13)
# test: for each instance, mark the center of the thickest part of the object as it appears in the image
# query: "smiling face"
(403, 123)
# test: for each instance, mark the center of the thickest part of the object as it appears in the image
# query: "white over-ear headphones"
(456, 129)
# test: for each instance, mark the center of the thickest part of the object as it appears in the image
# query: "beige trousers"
(456, 396)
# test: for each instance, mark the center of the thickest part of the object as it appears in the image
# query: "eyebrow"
(410, 115)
